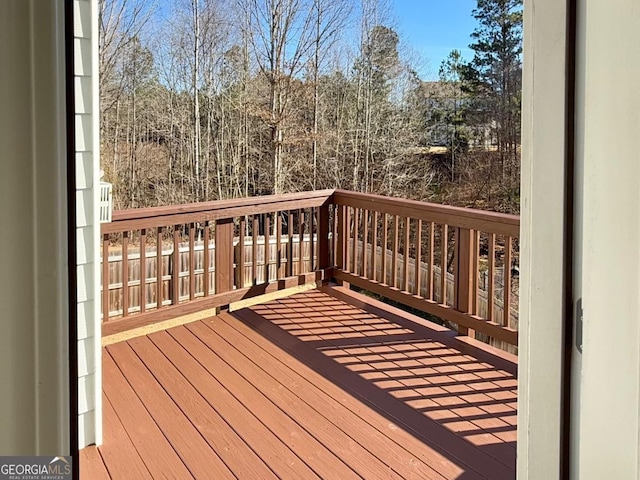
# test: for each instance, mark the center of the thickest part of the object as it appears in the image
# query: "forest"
(215, 99)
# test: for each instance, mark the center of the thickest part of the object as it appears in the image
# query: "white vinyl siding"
(87, 223)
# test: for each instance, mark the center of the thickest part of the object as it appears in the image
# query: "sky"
(433, 28)
(430, 28)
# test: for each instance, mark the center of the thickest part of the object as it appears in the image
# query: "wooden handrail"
(481, 220)
(138, 218)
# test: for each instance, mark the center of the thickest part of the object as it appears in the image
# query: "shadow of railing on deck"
(457, 399)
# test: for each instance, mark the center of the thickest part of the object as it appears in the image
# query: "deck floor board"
(243, 414)
(177, 427)
(344, 442)
(330, 403)
(322, 384)
(478, 450)
(221, 436)
(119, 454)
(159, 456)
(91, 464)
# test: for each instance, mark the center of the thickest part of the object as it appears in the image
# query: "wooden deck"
(323, 384)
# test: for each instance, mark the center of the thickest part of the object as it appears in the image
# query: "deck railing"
(169, 261)
(455, 263)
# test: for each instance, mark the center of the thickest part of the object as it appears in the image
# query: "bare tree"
(281, 39)
(377, 63)
(329, 18)
(231, 98)
(121, 24)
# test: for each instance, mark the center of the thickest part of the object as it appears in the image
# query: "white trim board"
(542, 240)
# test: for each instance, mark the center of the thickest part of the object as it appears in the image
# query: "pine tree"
(450, 109)
(495, 74)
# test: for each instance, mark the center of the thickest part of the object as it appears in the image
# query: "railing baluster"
(491, 278)
(374, 246)
(407, 229)
(192, 262)
(385, 242)
(475, 308)
(340, 234)
(444, 241)
(278, 245)
(334, 234)
(300, 241)
(176, 265)
(159, 269)
(241, 253)
(394, 258)
(267, 249)
(289, 244)
(456, 261)
(143, 270)
(418, 259)
(254, 253)
(506, 307)
(125, 273)
(206, 259)
(105, 278)
(432, 238)
(312, 242)
(356, 221)
(347, 237)
(365, 240)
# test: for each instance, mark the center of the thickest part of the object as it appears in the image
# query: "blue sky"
(435, 27)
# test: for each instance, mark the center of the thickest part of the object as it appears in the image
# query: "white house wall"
(87, 223)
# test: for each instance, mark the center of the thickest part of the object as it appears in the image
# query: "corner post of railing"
(224, 255)
(323, 237)
(464, 274)
(341, 234)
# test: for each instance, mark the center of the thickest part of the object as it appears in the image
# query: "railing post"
(323, 237)
(224, 255)
(106, 308)
(342, 243)
(464, 274)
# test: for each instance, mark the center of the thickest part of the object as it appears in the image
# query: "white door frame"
(545, 258)
(605, 397)
(35, 413)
